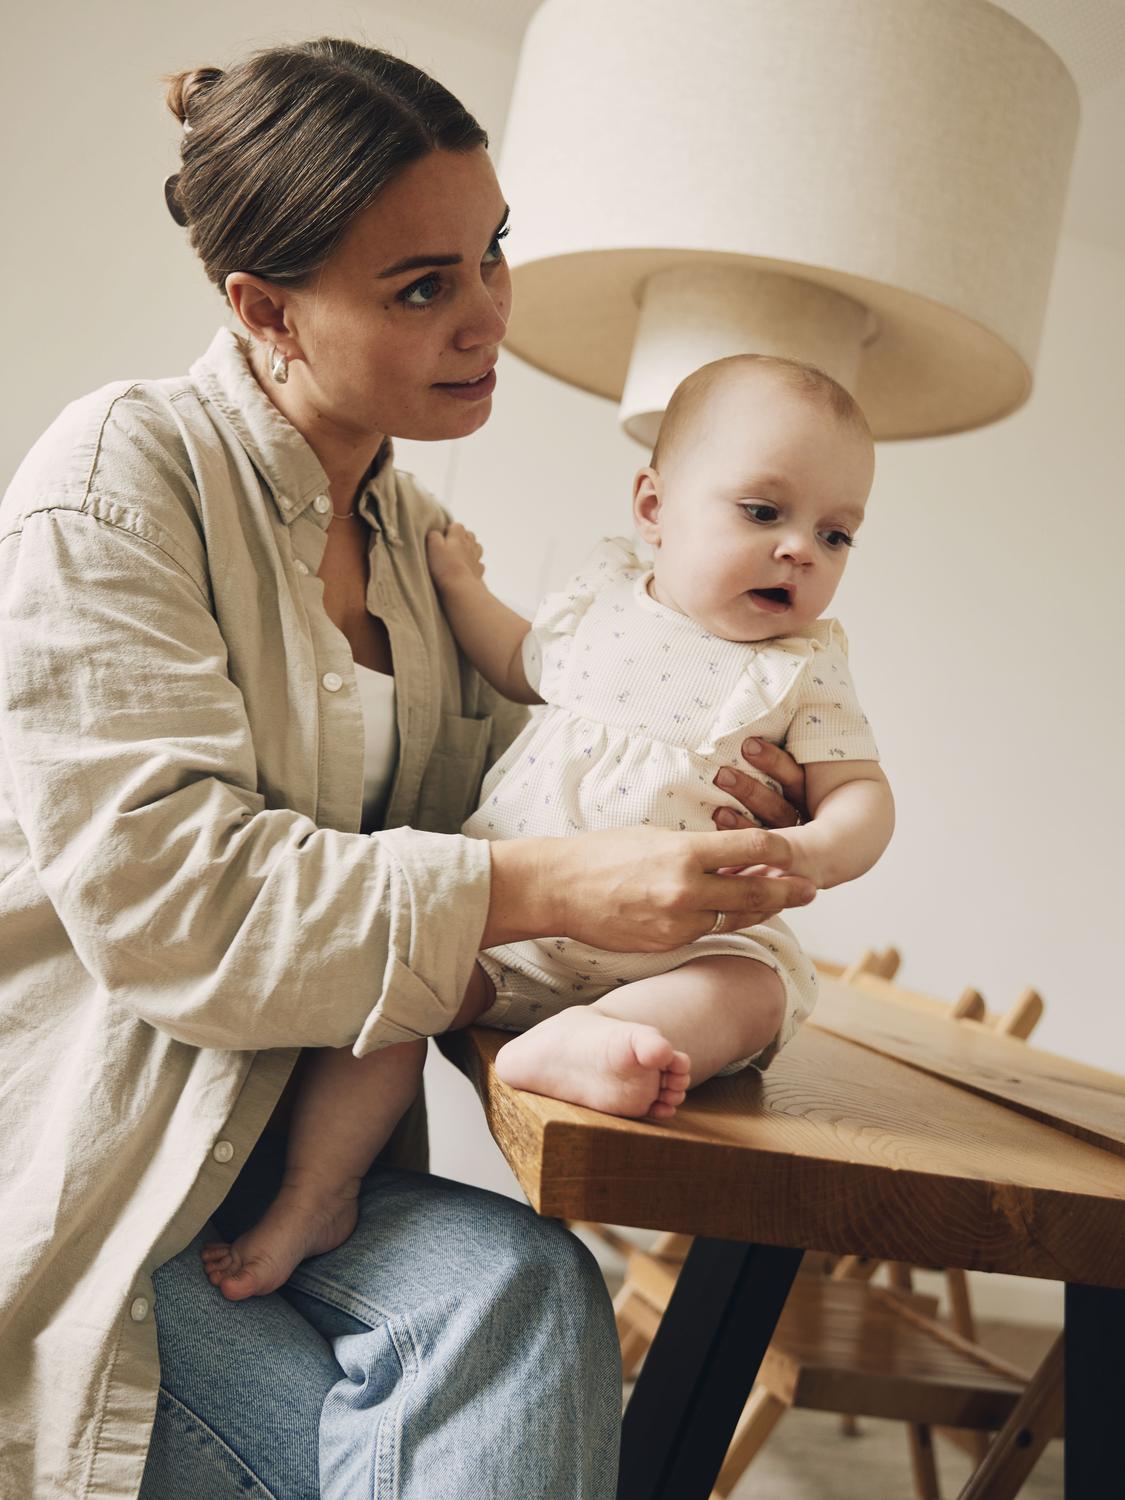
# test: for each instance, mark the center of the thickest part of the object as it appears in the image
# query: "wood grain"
(835, 1147)
(1085, 1102)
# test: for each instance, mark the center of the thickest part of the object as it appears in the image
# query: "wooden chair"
(845, 1345)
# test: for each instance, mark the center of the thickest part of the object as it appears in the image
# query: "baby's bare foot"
(586, 1057)
(306, 1218)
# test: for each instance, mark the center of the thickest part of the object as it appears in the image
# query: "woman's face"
(412, 304)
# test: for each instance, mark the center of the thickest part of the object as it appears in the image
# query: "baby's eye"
(836, 539)
(495, 252)
(421, 293)
(759, 511)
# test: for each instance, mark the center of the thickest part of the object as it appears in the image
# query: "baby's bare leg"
(344, 1111)
(636, 1050)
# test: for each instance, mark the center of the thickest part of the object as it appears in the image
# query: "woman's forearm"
(525, 872)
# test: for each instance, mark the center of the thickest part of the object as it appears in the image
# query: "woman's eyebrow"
(418, 262)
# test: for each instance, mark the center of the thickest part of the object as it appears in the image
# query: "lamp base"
(691, 315)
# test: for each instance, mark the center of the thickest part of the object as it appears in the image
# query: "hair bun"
(175, 208)
(183, 88)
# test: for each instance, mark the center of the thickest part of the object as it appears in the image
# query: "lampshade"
(875, 186)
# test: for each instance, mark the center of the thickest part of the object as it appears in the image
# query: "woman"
(237, 741)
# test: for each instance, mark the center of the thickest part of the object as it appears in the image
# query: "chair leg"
(636, 1323)
(961, 1316)
(923, 1464)
(1034, 1421)
(760, 1416)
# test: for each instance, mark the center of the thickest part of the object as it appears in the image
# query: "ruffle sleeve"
(828, 722)
(797, 691)
(547, 644)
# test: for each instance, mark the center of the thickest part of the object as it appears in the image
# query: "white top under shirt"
(380, 740)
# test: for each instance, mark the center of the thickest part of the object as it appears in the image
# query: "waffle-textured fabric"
(643, 707)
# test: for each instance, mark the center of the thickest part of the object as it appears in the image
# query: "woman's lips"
(475, 391)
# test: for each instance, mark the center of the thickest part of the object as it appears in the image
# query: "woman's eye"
(495, 251)
(836, 539)
(422, 292)
(761, 512)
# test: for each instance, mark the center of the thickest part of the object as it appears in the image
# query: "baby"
(653, 678)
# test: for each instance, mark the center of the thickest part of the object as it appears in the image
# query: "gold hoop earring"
(279, 365)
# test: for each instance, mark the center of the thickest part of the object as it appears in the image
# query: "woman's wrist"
(523, 897)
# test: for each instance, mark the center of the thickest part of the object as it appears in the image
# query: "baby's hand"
(453, 555)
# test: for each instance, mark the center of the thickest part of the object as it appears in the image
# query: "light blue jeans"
(455, 1347)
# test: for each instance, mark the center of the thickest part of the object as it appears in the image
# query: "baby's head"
(754, 492)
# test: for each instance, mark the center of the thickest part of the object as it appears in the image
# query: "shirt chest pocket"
(451, 785)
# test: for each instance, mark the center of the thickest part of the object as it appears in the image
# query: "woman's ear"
(646, 505)
(261, 308)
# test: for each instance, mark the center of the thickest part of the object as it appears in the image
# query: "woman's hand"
(637, 890)
(770, 808)
(454, 555)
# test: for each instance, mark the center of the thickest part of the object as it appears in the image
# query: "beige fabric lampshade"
(873, 185)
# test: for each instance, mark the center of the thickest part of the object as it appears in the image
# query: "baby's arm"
(852, 816)
(489, 633)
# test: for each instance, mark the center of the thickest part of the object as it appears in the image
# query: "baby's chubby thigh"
(722, 1010)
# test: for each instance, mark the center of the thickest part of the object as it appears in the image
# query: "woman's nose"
(486, 321)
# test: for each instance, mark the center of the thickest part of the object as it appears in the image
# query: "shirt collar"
(290, 468)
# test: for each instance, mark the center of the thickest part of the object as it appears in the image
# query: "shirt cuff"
(439, 906)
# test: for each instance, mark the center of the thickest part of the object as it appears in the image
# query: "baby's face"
(754, 511)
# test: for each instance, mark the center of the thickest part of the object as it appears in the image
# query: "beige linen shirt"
(186, 898)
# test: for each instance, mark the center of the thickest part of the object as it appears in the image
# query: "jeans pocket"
(188, 1460)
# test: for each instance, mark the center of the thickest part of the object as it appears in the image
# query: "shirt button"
(223, 1151)
(139, 1310)
(302, 568)
(322, 505)
(332, 681)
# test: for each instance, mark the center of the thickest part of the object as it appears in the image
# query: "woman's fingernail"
(751, 747)
(725, 779)
(727, 818)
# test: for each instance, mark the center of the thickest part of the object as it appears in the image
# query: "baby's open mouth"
(775, 598)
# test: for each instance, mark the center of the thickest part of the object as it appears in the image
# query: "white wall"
(983, 604)
(984, 609)
(99, 284)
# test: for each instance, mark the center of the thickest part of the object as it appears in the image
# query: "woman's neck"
(345, 455)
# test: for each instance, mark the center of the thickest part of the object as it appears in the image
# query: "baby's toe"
(659, 1109)
(651, 1049)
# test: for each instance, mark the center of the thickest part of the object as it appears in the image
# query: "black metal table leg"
(1095, 1391)
(698, 1373)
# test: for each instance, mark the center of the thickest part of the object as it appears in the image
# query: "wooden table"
(878, 1132)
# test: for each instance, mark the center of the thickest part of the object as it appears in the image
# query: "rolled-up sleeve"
(129, 763)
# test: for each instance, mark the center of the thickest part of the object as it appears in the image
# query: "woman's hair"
(281, 152)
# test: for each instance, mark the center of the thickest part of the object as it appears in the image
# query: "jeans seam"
(242, 1464)
(333, 1295)
(390, 1429)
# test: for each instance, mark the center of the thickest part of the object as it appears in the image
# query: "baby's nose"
(794, 547)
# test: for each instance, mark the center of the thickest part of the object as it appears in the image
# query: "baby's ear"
(646, 505)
